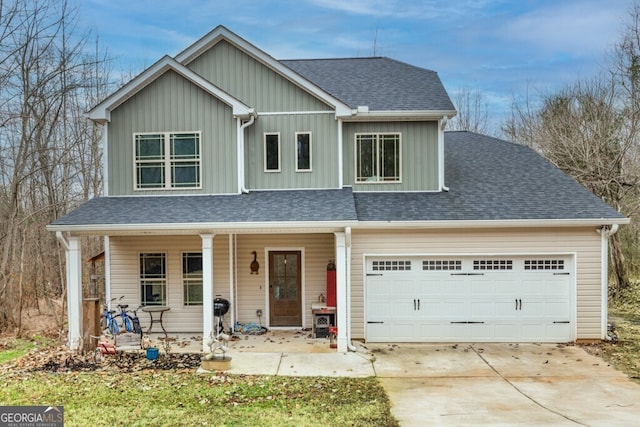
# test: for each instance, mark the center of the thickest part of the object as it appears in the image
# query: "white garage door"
(469, 299)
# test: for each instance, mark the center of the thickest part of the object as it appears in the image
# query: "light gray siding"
(584, 243)
(172, 103)
(253, 83)
(419, 170)
(324, 155)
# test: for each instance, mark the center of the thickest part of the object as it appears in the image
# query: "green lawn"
(185, 398)
(17, 347)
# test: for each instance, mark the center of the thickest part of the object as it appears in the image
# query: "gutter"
(241, 141)
(605, 232)
(347, 234)
(62, 240)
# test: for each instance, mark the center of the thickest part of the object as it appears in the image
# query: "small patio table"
(153, 310)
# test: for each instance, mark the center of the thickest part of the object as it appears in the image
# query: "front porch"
(280, 292)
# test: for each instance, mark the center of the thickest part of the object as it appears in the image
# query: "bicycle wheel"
(114, 329)
(126, 324)
(136, 326)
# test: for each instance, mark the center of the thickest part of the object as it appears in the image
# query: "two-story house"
(230, 173)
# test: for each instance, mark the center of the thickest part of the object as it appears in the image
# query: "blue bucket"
(152, 353)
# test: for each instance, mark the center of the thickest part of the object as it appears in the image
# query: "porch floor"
(273, 341)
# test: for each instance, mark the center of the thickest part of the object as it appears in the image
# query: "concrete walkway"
(459, 384)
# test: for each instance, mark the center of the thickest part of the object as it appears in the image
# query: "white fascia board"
(199, 228)
(400, 115)
(319, 227)
(513, 223)
(222, 33)
(102, 112)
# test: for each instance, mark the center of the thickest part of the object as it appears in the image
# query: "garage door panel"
(503, 302)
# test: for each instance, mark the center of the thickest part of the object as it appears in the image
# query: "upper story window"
(272, 152)
(303, 151)
(378, 157)
(167, 160)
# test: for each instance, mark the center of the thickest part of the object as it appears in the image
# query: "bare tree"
(48, 150)
(473, 111)
(581, 130)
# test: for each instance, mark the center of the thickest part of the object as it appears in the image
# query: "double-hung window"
(378, 157)
(153, 279)
(303, 151)
(167, 160)
(192, 278)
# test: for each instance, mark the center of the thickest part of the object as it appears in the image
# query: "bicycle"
(109, 319)
(130, 323)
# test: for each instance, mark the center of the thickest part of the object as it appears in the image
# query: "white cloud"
(576, 28)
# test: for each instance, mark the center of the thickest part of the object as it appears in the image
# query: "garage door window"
(441, 265)
(392, 265)
(492, 264)
(544, 264)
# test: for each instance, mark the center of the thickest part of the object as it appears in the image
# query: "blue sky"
(502, 48)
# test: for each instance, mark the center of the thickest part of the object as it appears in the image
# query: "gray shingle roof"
(382, 84)
(489, 179)
(257, 206)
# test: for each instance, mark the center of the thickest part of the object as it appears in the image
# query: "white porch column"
(341, 292)
(207, 288)
(74, 292)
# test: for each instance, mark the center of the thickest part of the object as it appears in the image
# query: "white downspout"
(340, 165)
(347, 233)
(605, 233)
(105, 150)
(442, 125)
(240, 129)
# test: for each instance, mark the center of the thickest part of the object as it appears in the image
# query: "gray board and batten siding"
(173, 104)
(252, 82)
(419, 156)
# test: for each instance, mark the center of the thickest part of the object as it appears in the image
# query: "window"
(544, 264)
(493, 264)
(440, 265)
(303, 151)
(192, 278)
(153, 279)
(167, 160)
(394, 265)
(272, 152)
(378, 157)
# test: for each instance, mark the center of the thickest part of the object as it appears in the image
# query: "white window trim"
(167, 161)
(164, 281)
(310, 151)
(264, 146)
(182, 280)
(355, 158)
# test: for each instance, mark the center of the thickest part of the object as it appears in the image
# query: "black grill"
(220, 306)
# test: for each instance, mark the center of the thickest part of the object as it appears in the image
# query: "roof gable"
(222, 33)
(102, 112)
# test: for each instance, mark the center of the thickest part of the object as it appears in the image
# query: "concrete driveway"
(503, 384)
